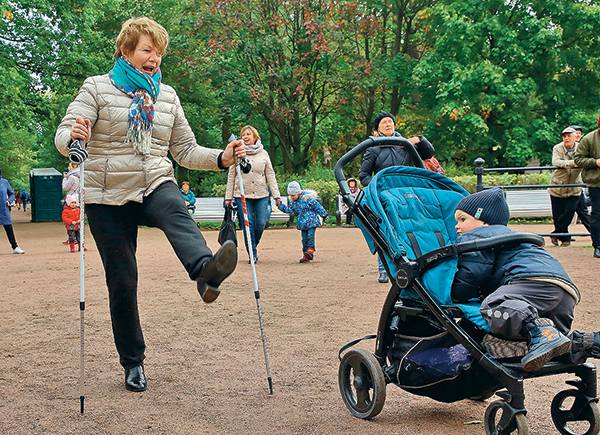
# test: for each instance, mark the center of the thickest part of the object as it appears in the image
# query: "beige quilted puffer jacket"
(114, 173)
(258, 182)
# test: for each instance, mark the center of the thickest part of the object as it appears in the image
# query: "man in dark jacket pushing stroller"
(525, 292)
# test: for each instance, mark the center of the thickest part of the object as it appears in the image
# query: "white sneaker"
(18, 250)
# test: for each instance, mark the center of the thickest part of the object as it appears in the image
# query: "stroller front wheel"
(500, 419)
(362, 383)
(574, 413)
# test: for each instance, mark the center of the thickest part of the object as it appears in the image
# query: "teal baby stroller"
(426, 344)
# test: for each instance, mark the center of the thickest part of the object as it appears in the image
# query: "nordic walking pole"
(82, 285)
(81, 280)
(263, 335)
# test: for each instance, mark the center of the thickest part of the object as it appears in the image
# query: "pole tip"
(270, 380)
(82, 404)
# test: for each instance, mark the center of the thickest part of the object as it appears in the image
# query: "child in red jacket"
(71, 218)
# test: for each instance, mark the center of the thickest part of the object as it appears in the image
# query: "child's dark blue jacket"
(308, 211)
(481, 273)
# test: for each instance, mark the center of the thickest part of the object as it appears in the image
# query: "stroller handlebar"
(359, 150)
(498, 241)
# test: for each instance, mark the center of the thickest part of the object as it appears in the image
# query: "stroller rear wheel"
(573, 413)
(507, 422)
(362, 383)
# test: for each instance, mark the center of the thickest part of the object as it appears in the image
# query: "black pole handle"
(245, 165)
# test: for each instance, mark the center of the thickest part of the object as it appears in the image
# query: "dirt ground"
(204, 362)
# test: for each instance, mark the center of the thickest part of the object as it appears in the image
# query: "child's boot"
(585, 345)
(310, 252)
(305, 258)
(72, 247)
(545, 342)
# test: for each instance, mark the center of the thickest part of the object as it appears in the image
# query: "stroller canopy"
(416, 208)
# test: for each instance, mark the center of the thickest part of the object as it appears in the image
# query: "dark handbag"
(227, 230)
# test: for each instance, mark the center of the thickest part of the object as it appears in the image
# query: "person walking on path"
(587, 157)
(18, 201)
(305, 205)
(24, 195)
(130, 121)
(7, 199)
(259, 183)
(377, 158)
(566, 201)
(71, 217)
(70, 186)
(354, 191)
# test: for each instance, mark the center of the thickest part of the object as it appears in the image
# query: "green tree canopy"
(491, 78)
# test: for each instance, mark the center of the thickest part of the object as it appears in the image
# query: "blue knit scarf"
(144, 90)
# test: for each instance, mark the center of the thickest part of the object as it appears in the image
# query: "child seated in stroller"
(525, 293)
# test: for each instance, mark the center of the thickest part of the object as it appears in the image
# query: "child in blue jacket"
(525, 292)
(308, 209)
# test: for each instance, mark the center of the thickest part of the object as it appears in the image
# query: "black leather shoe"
(135, 379)
(215, 270)
(597, 252)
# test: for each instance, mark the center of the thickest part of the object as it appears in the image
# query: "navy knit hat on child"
(488, 206)
(294, 188)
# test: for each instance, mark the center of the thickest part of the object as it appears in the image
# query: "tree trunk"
(226, 125)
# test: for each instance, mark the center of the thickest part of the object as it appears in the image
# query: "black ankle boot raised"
(215, 270)
(135, 379)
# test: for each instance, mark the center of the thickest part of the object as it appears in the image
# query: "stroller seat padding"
(416, 208)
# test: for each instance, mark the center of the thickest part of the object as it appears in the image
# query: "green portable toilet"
(46, 194)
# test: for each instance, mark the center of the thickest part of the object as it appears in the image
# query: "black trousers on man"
(595, 216)
(11, 235)
(563, 210)
(115, 232)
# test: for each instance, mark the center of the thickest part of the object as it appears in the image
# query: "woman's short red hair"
(133, 28)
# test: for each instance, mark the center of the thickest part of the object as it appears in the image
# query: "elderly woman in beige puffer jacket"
(131, 121)
(258, 184)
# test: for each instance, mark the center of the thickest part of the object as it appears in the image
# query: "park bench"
(529, 203)
(211, 210)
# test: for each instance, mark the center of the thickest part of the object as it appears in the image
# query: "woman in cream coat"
(257, 185)
(131, 121)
